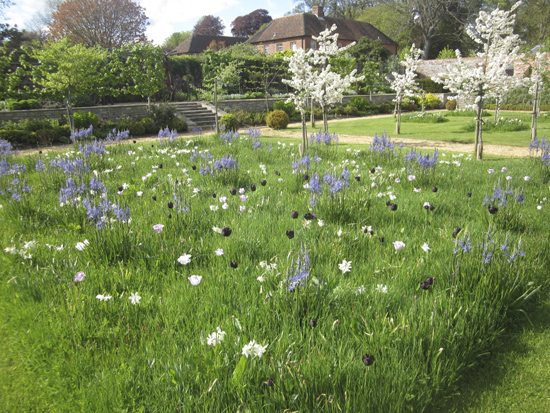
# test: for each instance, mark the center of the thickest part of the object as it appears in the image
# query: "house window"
(279, 47)
(293, 46)
(313, 45)
(266, 49)
(340, 45)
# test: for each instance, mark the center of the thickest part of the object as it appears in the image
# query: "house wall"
(304, 43)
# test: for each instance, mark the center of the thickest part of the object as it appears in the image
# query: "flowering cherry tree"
(499, 48)
(404, 84)
(312, 76)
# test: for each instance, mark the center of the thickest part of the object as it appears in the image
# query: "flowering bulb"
(393, 207)
(368, 359)
(233, 192)
(434, 189)
(264, 182)
(154, 198)
(194, 167)
(357, 178)
(290, 234)
(493, 210)
(294, 214)
(226, 231)
(252, 188)
(313, 322)
(233, 264)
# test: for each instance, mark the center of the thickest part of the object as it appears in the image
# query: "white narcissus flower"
(254, 349)
(381, 288)
(195, 279)
(426, 247)
(102, 297)
(345, 266)
(134, 298)
(215, 338)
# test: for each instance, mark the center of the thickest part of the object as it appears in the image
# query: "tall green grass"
(378, 336)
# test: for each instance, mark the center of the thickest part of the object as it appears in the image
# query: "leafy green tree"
(174, 40)
(65, 71)
(141, 69)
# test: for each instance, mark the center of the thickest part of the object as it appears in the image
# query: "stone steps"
(197, 115)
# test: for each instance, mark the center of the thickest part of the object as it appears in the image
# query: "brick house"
(198, 43)
(297, 31)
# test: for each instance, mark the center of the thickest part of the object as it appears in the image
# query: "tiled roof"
(306, 25)
(198, 43)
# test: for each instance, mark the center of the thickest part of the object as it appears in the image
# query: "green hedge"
(491, 106)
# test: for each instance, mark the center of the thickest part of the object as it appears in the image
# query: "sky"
(168, 16)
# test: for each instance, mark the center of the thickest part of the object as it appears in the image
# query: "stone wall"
(109, 112)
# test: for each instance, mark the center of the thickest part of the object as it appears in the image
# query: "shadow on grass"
(515, 376)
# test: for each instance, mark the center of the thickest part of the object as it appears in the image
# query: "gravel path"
(499, 150)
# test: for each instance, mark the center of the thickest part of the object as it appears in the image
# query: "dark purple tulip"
(213, 195)
(306, 177)
(434, 189)
(154, 198)
(120, 189)
(309, 216)
(393, 207)
(134, 141)
(40, 152)
(368, 359)
(290, 234)
(270, 382)
(177, 182)
(194, 167)
(169, 215)
(426, 207)
(264, 182)
(226, 231)
(469, 194)
(382, 238)
(428, 223)
(365, 230)
(294, 214)
(493, 210)
(160, 166)
(277, 173)
(424, 285)
(357, 178)
(432, 207)
(388, 203)
(233, 264)
(152, 146)
(372, 170)
(170, 205)
(313, 322)
(233, 192)
(252, 188)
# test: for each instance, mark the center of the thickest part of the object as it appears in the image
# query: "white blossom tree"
(404, 84)
(313, 78)
(499, 48)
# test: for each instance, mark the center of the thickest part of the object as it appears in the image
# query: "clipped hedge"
(278, 119)
(23, 104)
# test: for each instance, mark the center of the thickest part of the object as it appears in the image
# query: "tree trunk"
(398, 121)
(70, 117)
(312, 117)
(325, 120)
(304, 132)
(497, 110)
(479, 127)
(535, 113)
(423, 102)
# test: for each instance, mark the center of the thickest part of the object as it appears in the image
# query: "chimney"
(318, 11)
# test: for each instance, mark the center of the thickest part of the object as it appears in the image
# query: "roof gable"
(307, 25)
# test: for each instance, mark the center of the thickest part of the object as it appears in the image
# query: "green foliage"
(425, 118)
(174, 40)
(249, 117)
(450, 104)
(149, 125)
(83, 120)
(229, 122)
(179, 125)
(278, 119)
(446, 53)
(288, 107)
(360, 103)
(432, 102)
(162, 114)
(23, 104)
(84, 100)
(503, 125)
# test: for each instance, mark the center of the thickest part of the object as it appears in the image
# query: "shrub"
(229, 122)
(163, 114)
(289, 107)
(136, 128)
(432, 102)
(179, 124)
(34, 124)
(23, 104)
(278, 119)
(451, 104)
(430, 86)
(18, 136)
(425, 118)
(359, 103)
(83, 120)
(149, 125)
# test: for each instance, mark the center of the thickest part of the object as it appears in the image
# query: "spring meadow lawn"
(235, 273)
